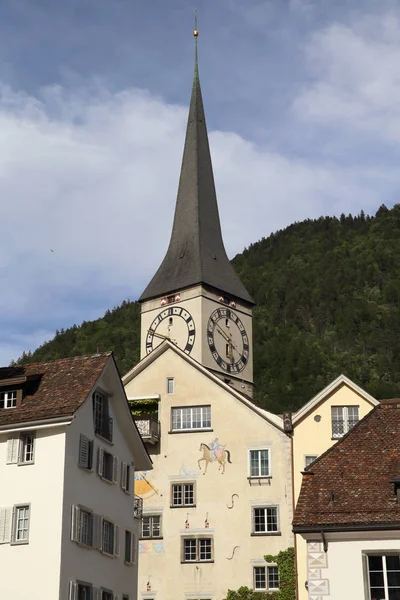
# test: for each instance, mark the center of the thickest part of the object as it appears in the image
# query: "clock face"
(228, 340)
(174, 323)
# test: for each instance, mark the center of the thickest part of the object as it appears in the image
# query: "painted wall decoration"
(151, 547)
(214, 452)
(143, 487)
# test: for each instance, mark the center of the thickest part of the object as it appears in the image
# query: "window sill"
(20, 543)
(87, 469)
(107, 554)
(111, 443)
(182, 506)
(265, 533)
(196, 562)
(25, 464)
(335, 439)
(256, 477)
(109, 481)
(200, 430)
(144, 539)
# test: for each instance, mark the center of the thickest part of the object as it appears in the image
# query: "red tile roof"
(53, 389)
(348, 486)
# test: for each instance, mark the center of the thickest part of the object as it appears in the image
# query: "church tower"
(196, 298)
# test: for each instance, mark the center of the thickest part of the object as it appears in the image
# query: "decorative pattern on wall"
(215, 452)
(317, 562)
(151, 547)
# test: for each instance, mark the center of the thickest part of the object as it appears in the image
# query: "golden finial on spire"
(196, 31)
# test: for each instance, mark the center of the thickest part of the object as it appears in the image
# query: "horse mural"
(215, 452)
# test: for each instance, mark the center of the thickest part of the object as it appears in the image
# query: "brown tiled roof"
(348, 486)
(53, 389)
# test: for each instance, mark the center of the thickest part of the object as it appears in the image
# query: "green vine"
(287, 580)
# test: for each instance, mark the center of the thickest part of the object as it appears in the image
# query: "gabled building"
(349, 512)
(68, 452)
(318, 425)
(220, 496)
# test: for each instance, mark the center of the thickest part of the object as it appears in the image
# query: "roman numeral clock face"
(175, 324)
(228, 340)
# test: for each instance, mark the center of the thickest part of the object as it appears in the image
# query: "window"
(106, 595)
(126, 477)
(85, 452)
(27, 448)
(266, 578)
(21, 524)
(343, 419)
(170, 385)
(107, 466)
(194, 417)
(107, 537)
(103, 423)
(130, 548)
(151, 526)
(309, 459)
(197, 550)
(265, 520)
(183, 494)
(259, 463)
(8, 399)
(80, 591)
(82, 527)
(384, 576)
(125, 597)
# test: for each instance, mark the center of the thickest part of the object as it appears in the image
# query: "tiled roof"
(53, 389)
(348, 486)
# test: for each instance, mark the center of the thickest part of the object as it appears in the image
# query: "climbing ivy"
(287, 580)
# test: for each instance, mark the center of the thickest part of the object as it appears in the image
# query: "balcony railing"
(104, 427)
(149, 428)
(137, 507)
(340, 427)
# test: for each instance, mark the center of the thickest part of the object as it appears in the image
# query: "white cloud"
(356, 76)
(93, 176)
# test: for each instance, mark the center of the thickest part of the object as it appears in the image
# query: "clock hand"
(161, 336)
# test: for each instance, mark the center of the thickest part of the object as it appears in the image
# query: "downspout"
(296, 575)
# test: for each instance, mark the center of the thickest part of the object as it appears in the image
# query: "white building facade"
(69, 523)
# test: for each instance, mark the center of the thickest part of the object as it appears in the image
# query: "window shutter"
(133, 548)
(75, 522)
(73, 590)
(12, 450)
(124, 473)
(116, 540)
(13, 524)
(5, 525)
(96, 536)
(84, 450)
(115, 470)
(96, 594)
(100, 462)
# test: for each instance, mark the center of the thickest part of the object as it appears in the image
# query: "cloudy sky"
(303, 107)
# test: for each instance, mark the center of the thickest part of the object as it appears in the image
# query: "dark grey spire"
(196, 252)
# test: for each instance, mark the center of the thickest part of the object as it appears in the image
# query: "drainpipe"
(296, 575)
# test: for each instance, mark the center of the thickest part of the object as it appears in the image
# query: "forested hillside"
(328, 302)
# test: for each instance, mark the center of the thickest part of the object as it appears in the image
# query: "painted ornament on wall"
(214, 452)
(143, 487)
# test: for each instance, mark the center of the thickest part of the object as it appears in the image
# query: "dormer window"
(8, 399)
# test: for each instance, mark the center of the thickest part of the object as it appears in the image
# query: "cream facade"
(316, 427)
(234, 467)
(56, 495)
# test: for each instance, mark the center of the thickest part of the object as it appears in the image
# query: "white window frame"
(268, 450)
(198, 541)
(151, 527)
(383, 554)
(170, 385)
(16, 517)
(345, 419)
(8, 402)
(26, 439)
(205, 417)
(266, 531)
(307, 461)
(266, 569)
(183, 484)
(74, 589)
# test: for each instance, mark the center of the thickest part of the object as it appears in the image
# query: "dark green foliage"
(245, 593)
(328, 302)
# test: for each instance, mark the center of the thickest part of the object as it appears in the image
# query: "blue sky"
(303, 109)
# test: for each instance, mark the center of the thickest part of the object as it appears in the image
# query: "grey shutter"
(13, 524)
(75, 523)
(116, 540)
(134, 548)
(73, 590)
(115, 469)
(100, 462)
(84, 451)
(12, 450)
(124, 472)
(96, 594)
(96, 535)
(5, 525)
